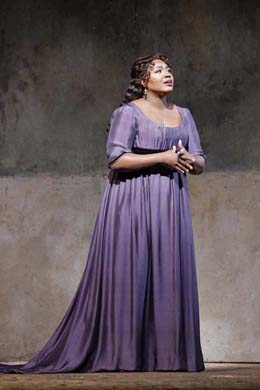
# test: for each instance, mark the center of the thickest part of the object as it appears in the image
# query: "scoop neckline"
(159, 124)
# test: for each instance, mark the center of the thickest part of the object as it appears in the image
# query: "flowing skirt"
(136, 306)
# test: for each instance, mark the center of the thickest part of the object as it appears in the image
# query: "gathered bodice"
(152, 135)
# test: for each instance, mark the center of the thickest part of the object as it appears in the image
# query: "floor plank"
(216, 376)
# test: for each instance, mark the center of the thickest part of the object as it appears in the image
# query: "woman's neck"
(160, 103)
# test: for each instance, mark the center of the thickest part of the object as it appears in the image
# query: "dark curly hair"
(140, 70)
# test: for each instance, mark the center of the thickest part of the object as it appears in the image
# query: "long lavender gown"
(136, 307)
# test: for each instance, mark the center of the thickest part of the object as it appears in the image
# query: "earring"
(145, 93)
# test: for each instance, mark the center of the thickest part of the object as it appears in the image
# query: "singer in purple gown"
(136, 306)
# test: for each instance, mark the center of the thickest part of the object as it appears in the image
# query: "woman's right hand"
(171, 158)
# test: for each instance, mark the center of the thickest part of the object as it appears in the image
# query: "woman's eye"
(159, 70)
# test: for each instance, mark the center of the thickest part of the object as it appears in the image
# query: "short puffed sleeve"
(121, 133)
(194, 146)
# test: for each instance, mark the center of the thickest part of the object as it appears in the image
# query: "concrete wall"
(64, 67)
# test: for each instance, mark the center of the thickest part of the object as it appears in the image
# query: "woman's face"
(161, 78)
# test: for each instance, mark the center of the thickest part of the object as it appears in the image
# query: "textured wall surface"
(64, 66)
(226, 214)
(45, 230)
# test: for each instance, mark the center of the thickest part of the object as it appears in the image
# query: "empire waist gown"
(136, 306)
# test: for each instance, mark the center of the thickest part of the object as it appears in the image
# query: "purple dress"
(136, 306)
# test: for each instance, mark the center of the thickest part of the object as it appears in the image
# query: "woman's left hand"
(185, 156)
(195, 164)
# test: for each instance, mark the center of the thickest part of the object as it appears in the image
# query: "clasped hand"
(180, 160)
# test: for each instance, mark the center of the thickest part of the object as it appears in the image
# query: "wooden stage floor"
(228, 376)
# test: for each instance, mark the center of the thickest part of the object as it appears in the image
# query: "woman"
(136, 307)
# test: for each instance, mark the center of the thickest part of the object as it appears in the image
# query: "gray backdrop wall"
(64, 67)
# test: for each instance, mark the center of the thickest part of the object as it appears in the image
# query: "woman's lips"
(168, 83)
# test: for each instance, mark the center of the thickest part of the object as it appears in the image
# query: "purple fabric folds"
(136, 307)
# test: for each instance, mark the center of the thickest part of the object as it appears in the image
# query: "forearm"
(132, 161)
(198, 165)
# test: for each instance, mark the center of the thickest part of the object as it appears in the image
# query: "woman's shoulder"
(186, 109)
(183, 108)
(124, 108)
(123, 114)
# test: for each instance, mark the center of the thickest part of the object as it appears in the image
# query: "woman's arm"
(135, 161)
(132, 161)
